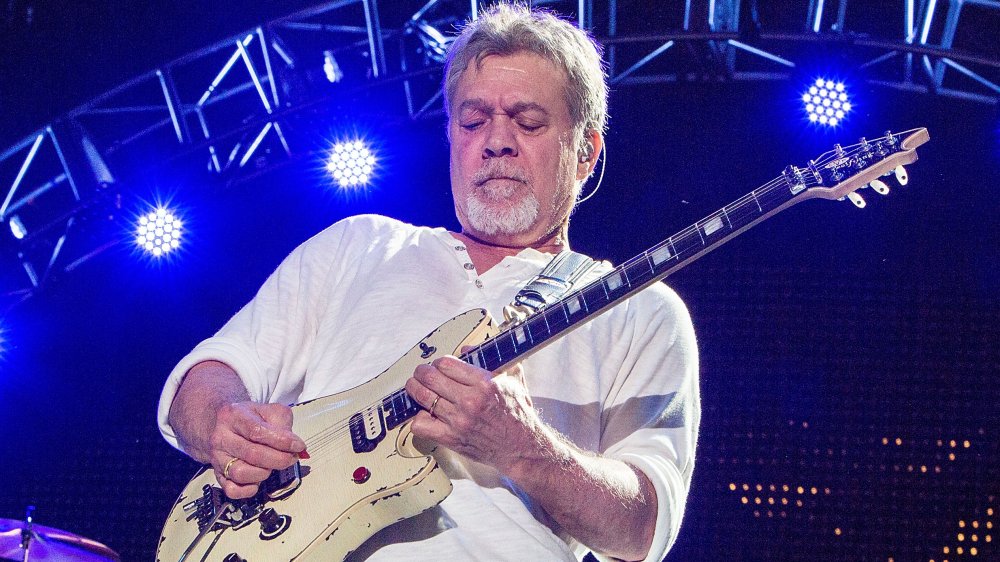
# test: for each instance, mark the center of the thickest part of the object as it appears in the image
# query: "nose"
(500, 139)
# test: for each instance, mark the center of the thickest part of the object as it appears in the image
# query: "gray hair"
(506, 29)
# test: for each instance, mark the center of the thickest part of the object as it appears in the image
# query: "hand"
(259, 437)
(485, 417)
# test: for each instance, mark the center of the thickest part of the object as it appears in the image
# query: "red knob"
(361, 475)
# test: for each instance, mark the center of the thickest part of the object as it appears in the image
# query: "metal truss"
(235, 107)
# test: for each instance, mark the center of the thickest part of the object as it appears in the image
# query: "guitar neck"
(575, 309)
(833, 175)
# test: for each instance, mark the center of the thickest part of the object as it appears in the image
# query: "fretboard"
(518, 342)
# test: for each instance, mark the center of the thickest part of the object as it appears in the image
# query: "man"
(589, 447)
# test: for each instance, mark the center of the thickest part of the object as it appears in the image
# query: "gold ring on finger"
(225, 471)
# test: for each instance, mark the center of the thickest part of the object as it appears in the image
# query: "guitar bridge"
(213, 510)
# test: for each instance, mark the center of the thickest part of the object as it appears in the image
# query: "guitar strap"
(550, 285)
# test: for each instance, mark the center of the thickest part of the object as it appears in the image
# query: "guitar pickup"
(282, 482)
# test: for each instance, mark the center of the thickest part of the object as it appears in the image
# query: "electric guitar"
(364, 472)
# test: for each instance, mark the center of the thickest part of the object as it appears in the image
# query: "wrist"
(545, 456)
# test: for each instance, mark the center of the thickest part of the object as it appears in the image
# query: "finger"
(234, 490)
(230, 444)
(247, 421)
(460, 371)
(425, 426)
(242, 472)
(422, 393)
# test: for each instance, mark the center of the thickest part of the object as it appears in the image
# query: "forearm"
(205, 389)
(604, 503)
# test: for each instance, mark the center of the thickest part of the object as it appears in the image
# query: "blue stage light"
(826, 102)
(158, 232)
(17, 227)
(351, 163)
(331, 68)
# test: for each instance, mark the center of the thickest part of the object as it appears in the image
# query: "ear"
(588, 159)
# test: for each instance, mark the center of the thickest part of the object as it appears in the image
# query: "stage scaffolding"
(67, 187)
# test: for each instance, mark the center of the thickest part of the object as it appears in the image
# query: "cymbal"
(48, 545)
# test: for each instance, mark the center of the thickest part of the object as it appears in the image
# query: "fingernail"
(304, 454)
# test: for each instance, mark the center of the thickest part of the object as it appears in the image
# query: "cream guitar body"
(328, 505)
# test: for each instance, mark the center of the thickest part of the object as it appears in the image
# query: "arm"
(602, 502)
(215, 422)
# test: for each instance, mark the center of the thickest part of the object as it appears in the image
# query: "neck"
(487, 253)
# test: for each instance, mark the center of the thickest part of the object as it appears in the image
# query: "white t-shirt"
(349, 302)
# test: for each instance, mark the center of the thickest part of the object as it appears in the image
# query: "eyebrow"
(519, 107)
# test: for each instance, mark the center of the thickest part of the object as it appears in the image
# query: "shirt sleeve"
(268, 342)
(651, 417)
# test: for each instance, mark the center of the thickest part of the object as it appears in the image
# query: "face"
(515, 166)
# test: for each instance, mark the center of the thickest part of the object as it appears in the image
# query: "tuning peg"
(856, 199)
(901, 175)
(880, 187)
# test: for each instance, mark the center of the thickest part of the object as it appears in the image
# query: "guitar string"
(321, 440)
(333, 434)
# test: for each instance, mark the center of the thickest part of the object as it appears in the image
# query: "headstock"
(841, 172)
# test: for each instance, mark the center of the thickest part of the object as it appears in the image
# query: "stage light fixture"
(158, 232)
(351, 163)
(331, 68)
(17, 227)
(435, 43)
(826, 102)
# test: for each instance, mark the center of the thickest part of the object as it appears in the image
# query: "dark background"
(826, 334)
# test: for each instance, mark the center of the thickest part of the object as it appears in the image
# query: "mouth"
(494, 178)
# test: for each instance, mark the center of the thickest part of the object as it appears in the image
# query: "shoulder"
(365, 231)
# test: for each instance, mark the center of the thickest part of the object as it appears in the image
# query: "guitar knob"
(856, 199)
(233, 557)
(880, 187)
(273, 523)
(901, 175)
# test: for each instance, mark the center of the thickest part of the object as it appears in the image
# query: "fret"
(712, 226)
(649, 262)
(592, 294)
(476, 358)
(513, 341)
(624, 271)
(688, 242)
(490, 357)
(672, 247)
(496, 344)
(583, 302)
(754, 195)
(697, 228)
(725, 215)
(521, 335)
(572, 305)
(639, 270)
(556, 320)
(565, 311)
(613, 281)
(660, 254)
(538, 328)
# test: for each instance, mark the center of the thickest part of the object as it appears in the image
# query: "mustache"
(498, 169)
